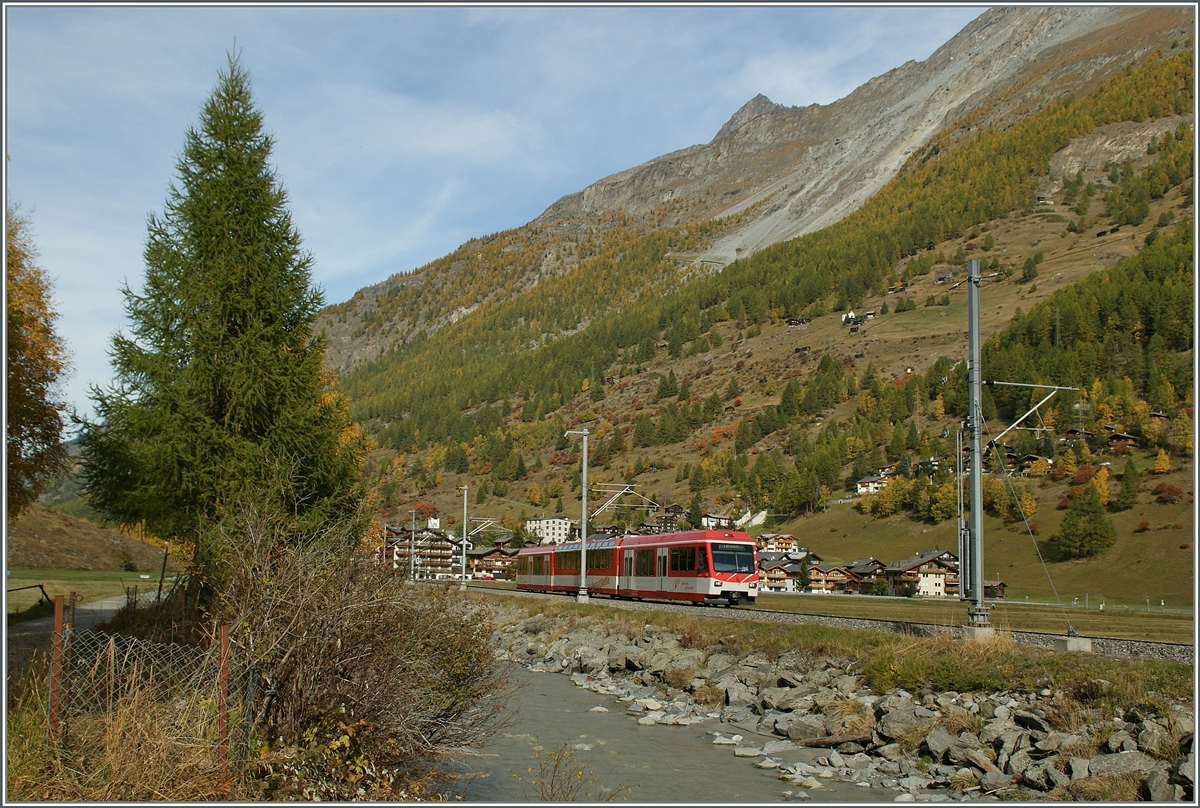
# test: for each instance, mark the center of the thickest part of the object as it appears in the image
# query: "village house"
(668, 520)
(994, 589)
(717, 521)
(866, 570)
(493, 562)
(780, 575)
(870, 485)
(931, 572)
(551, 529)
(436, 555)
(1120, 442)
(830, 579)
(777, 543)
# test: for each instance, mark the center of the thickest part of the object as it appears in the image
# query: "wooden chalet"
(867, 571)
(830, 579)
(436, 554)
(931, 572)
(1121, 442)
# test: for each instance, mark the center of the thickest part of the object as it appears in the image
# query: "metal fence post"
(56, 649)
(223, 705)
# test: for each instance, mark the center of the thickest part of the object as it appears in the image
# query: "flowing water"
(658, 763)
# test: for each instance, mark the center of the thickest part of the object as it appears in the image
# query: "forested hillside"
(533, 352)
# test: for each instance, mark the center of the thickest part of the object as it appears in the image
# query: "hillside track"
(1107, 646)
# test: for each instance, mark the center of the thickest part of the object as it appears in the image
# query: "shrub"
(1083, 474)
(1142, 526)
(1167, 494)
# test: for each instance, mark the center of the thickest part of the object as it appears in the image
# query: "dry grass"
(855, 717)
(956, 720)
(911, 737)
(143, 749)
(1111, 788)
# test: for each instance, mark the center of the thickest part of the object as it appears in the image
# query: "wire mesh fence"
(94, 676)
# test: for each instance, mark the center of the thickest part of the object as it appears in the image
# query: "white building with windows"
(551, 529)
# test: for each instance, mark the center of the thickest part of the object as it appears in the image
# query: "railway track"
(1108, 646)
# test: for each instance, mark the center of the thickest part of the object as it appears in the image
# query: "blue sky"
(401, 132)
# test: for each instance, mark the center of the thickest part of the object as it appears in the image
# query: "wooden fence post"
(223, 705)
(56, 649)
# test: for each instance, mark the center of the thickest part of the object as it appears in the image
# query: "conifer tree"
(220, 383)
(1129, 486)
(1085, 530)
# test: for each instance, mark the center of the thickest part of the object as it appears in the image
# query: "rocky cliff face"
(789, 171)
(806, 168)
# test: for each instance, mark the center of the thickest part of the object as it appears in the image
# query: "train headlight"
(754, 586)
(717, 583)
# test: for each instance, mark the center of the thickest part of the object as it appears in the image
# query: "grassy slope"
(1151, 564)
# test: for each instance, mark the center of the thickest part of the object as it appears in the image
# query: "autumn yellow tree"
(1162, 463)
(36, 361)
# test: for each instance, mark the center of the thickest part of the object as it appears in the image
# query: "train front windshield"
(733, 557)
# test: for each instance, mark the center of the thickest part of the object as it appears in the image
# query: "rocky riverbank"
(921, 746)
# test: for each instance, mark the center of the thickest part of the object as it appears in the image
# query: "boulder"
(1120, 741)
(994, 729)
(898, 721)
(1032, 721)
(1018, 762)
(1121, 763)
(1184, 771)
(806, 727)
(847, 683)
(1158, 787)
(776, 698)
(738, 695)
(938, 741)
(686, 659)
(994, 781)
(1078, 768)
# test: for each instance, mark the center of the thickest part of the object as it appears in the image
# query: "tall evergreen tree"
(220, 384)
(1085, 530)
(1129, 487)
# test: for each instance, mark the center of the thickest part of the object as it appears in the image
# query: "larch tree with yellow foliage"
(35, 361)
(220, 396)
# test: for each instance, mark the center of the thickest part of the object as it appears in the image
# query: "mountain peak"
(756, 106)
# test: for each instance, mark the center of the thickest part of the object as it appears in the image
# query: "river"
(658, 763)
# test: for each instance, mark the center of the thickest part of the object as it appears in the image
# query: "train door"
(662, 569)
(626, 582)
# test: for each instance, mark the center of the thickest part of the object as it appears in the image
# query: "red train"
(701, 566)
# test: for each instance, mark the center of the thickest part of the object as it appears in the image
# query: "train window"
(568, 561)
(703, 558)
(599, 559)
(539, 565)
(683, 559)
(643, 562)
(523, 565)
(733, 557)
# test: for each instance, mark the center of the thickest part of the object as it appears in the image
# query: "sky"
(401, 132)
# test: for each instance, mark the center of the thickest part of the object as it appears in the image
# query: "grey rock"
(890, 752)
(938, 741)
(1001, 712)
(747, 751)
(847, 683)
(1078, 768)
(1019, 762)
(1185, 771)
(994, 729)
(1117, 740)
(777, 698)
(897, 721)
(1153, 738)
(1035, 777)
(806, 727)
(1121, 763)
(1158, 787)
(1031, 721)
(1051, 743)
(925, 712)
(1055, 778)
(738, 695)
(773, 747)
(994, 781)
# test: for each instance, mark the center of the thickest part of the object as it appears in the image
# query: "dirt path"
(24, 639)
